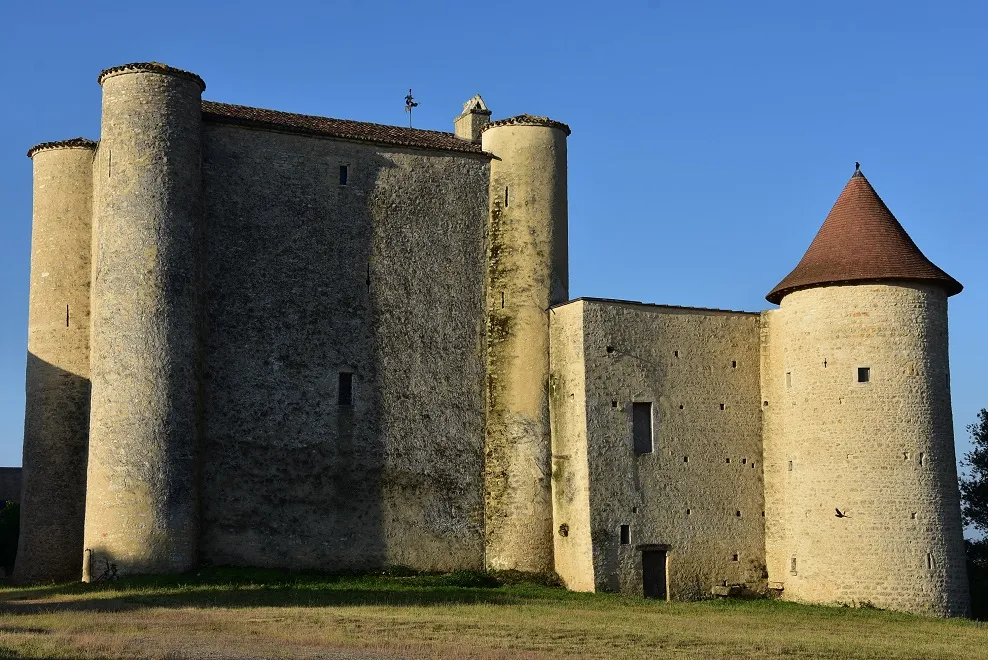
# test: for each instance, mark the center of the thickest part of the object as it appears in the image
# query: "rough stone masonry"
(259, 338)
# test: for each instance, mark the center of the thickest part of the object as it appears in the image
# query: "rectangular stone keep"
(383, 278)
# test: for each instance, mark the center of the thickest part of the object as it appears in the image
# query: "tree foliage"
(974, 486)
(974, 507)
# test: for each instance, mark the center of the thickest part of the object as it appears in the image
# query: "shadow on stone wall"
(53, 500)
(291, 466)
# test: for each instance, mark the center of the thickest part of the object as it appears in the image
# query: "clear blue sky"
(709, 138)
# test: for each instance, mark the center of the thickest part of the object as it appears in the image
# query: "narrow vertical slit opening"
(641, 423)
(345, 390)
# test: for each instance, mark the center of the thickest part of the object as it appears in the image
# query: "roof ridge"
(307, 116)
(341, 128)
(651, 305)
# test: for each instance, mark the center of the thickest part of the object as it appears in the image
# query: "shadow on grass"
(248, 588)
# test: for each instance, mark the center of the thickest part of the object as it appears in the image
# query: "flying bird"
(841, 514)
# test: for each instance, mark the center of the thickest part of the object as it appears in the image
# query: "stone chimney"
(473, 119)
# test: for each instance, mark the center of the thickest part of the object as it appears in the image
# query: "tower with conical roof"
(862, 505)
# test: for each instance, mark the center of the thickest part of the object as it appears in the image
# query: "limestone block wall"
(56, 421)
(380, 279)
(699, 492)
(527, 272)
(775, 448)
(572, 545)
(142, 505)
(881, 452)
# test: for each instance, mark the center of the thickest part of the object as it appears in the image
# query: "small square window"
(864, 374)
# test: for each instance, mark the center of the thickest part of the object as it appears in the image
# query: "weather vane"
(409, 104)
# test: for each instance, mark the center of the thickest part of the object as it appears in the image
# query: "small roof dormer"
(861, 241)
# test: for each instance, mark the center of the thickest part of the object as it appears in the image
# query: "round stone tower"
(528, 271)
(868, 478)
(142, 506)
(56, 418)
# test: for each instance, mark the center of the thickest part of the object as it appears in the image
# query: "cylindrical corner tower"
(142, 507)
(56, 421)
(528, 271)
(873, 508)
(870, 499)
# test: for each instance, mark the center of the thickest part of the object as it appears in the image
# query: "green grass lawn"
(227, 613)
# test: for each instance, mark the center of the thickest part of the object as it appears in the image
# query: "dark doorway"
(654, 573)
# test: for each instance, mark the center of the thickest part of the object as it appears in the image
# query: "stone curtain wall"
(381, 278)
(700, 490)
(881, 452)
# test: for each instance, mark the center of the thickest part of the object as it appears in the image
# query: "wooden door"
(654, 573)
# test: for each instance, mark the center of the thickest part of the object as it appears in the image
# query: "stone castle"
(267, 339)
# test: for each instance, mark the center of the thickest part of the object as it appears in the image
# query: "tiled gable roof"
(861, 241)
(338, 128)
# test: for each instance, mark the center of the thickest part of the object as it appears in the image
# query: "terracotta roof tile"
(339, 128)
(153, 67)
(73, 143)
(861, 241)
(529, 120)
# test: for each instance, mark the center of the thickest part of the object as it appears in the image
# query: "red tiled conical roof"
(861, 241)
